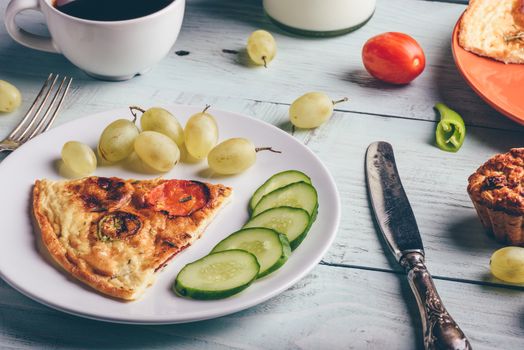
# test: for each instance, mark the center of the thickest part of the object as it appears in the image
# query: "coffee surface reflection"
(110, 10)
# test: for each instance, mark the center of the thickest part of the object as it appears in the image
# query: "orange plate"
(500, 85)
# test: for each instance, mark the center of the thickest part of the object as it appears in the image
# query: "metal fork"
(36, 120)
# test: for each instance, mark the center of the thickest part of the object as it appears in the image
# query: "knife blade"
(390, 203)
(398, 226)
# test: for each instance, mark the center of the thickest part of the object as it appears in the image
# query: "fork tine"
(30, 111)
(20, 135)
(55, 113)
(45, 122)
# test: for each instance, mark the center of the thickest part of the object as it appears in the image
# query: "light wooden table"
(356, 298)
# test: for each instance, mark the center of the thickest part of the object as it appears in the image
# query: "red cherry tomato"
(179, 197)
(393, 57)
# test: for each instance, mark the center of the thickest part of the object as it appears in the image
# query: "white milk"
(320, 16)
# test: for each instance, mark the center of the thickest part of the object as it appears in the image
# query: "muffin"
(497, 192)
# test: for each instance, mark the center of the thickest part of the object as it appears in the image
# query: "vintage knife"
(397, 223)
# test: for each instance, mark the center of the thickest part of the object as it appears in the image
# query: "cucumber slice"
(296, 195)
(277, 181)
(293, 222)
(270, 247)
(217, 275)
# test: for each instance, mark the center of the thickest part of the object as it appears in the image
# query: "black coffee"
(110, 10)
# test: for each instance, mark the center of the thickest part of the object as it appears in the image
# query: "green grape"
(160, 120)
(507, 264)
(201, 134)
(157, 150)
(232, 156)
(116, 141)
(312, 110)
(10, 97)
(79, 157)
(261, 47)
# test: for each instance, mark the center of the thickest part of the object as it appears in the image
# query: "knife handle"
(440, 330)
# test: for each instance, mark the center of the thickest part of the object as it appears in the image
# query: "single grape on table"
(162, 121)
(201, 134)
(10, 97)
(261, 47)
(312, 110)
(79, 157)
(117, 139)
(157, 150)
(233, 156)
(507, 264)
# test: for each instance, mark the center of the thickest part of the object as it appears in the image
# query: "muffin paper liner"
(506, 228)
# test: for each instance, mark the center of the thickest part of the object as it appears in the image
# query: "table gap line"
(456, 2)
(435, 277)
(518, 130)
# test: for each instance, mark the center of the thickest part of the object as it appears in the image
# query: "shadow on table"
(406, 293)
(66, 331)
(32, 67)
(521, 318)
(470, 235)
(363, 79)
(246, 11)
(456, 93)
(25, 63)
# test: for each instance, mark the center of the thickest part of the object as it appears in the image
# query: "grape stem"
(258, 149)
(206, 108)
(345, 99)
(136, 108)
(265, 63)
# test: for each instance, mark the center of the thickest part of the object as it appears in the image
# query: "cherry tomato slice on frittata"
(178, 197)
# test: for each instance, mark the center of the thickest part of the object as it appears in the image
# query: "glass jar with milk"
(320, 17)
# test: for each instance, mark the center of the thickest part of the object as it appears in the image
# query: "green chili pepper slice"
(451, 129)
(118, 225)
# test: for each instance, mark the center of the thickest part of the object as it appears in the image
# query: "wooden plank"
(334, 308)
(435, 181)
(303, 64)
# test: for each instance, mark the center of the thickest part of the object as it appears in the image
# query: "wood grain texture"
(341, 304)
(302, 64)
(435, 181)
(331, 308)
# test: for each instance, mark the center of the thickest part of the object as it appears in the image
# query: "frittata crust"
(68, 213)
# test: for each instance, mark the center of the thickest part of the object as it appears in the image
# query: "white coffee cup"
(116, 50)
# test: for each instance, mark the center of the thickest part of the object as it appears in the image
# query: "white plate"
(24, 268)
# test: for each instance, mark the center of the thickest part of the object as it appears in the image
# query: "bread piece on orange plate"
(494, 28)
(115, 235)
